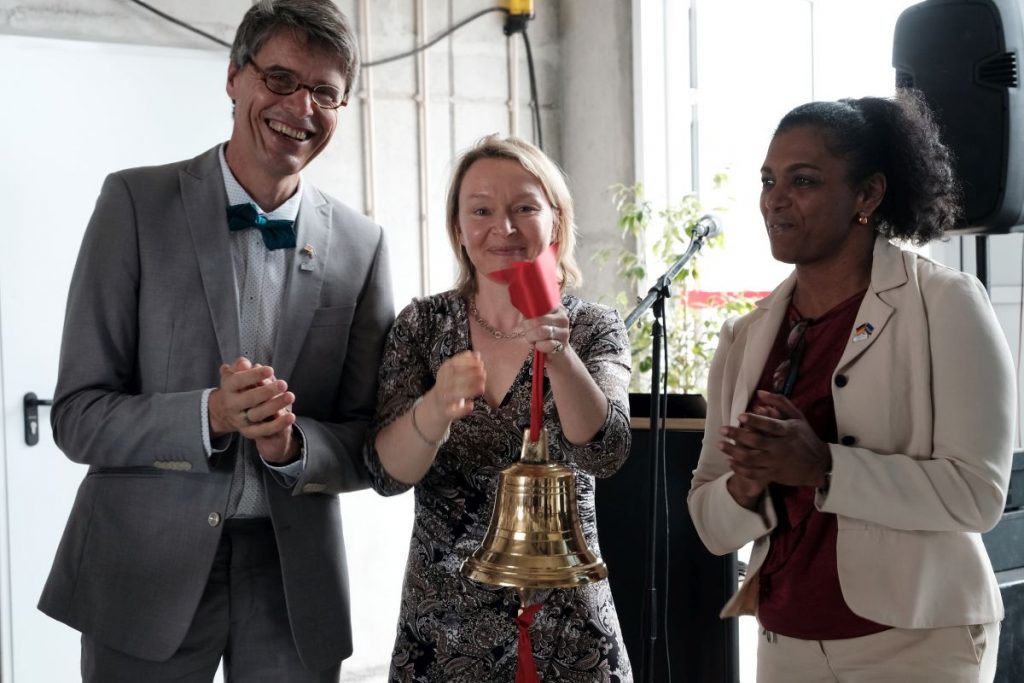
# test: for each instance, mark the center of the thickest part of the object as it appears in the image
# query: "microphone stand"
(655, 300)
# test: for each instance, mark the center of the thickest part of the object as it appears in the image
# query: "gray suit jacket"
(152, 313)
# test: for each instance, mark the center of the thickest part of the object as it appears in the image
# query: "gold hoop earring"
(862, 218)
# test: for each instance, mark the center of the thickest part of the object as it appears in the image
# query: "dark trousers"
(241, 617)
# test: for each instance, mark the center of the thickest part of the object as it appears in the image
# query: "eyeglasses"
(282, 82)
(784, 377)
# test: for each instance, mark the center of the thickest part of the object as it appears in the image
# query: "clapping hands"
(252, 402)
(775, 443)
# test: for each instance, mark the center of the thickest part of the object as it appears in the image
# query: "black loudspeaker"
(699, 646)
(963, 55)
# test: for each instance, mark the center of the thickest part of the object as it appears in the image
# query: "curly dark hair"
(899, 138)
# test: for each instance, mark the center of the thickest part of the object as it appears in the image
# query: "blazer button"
(848, 440)
(213, 519)
(841, 380)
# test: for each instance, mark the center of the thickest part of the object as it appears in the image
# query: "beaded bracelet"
(419, 432)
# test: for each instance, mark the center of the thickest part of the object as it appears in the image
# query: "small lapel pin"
(863, 331)
(307, 261)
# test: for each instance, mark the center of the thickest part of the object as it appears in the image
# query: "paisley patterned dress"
(450, 628)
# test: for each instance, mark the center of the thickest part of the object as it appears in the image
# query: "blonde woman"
(454, 401)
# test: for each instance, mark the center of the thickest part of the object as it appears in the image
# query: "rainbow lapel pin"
(863, 331)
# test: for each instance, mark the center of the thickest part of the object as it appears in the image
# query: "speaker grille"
(999, 71)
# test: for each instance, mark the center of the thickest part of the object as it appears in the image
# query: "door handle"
(31, 404)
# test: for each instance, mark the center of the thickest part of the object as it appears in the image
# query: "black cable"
(435, 39)
(181, 23)
(534, 100)
(668, 520)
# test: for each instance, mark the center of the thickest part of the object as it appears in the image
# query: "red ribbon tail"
(526, 665)
(537, 395)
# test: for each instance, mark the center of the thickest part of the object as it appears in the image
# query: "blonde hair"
(556, 190)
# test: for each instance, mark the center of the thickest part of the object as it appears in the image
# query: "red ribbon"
(526, 665)
(533, 288)
(532, 285)
(537, 395)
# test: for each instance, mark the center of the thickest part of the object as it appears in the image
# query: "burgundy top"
(799, 594)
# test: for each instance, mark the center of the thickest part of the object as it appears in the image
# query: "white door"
(72, 112)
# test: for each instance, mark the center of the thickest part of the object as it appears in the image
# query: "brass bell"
(534, 539)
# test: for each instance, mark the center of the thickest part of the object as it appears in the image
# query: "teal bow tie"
(276, 234)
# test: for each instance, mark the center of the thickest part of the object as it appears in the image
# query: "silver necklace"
(493, 331)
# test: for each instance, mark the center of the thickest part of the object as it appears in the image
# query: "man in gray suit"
(217, 373)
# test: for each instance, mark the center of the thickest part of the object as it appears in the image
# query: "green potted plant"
(661, 236)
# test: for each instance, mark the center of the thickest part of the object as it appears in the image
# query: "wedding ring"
(245, 416)
(551, 331)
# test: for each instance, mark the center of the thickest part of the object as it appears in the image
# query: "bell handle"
(535, 451)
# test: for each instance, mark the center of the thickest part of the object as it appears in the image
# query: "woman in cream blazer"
(924, 407)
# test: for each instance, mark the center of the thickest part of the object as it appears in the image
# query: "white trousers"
(958, 654)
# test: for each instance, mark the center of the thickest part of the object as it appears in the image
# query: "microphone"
(707, 226)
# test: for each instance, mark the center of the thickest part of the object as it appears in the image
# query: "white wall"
(596, 103)
(59, 161)
(121, 21)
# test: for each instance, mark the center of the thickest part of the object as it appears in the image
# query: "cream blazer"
(924, 393)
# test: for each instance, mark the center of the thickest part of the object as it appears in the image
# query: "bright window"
(730, 69)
